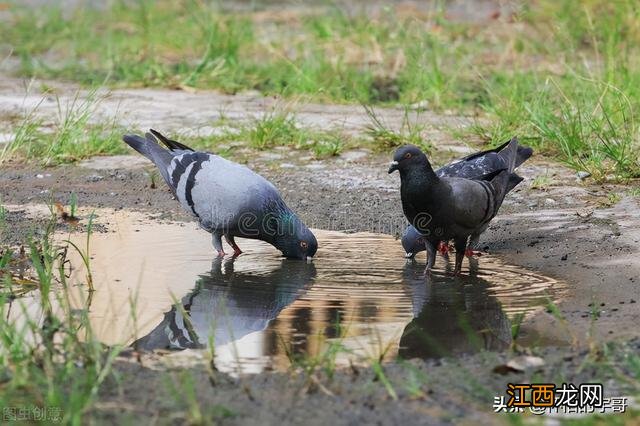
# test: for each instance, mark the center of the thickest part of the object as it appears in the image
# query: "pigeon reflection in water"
(227, 305)
(452, 316)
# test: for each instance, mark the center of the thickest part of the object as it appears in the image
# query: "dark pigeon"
(473, 166)
(228, 199)
(450, 208)
(452, 319)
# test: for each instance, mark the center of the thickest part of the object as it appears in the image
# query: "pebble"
(420, 105)
(582, 175)
(94, 178)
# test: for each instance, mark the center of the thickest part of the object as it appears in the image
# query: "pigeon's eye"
(304, 245)
(407, 155)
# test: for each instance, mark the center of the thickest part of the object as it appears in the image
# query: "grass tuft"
(71, 137)
(564, 78)
(48, 353)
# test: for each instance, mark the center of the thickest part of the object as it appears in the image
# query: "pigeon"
(473, 166)
(227, 305)
(452, 319)
(450, 208)
(227, 199)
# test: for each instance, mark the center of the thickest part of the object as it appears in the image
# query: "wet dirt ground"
(568, 231)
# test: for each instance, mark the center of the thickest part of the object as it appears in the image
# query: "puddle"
(159, 287)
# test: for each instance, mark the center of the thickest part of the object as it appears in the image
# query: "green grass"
(562, 75)
(49, 357)
(71, 137)
(384, 138)
(277, 128)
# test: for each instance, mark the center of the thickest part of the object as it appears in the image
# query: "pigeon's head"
(406, 157)
(412, 242)
(297, 242)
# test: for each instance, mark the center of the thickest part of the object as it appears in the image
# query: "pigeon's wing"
(216, 191)
(478, 201)
(481, 163)
(474, 202)
(183, 172)
(220, 192)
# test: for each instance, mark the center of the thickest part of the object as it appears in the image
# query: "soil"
(569, 230)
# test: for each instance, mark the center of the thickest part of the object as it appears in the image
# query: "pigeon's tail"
(505, 180)
(524, 152)
(509, 154)
(502, 183)
(154, 152)
(514, 155)
(171, 144)
(513, 181)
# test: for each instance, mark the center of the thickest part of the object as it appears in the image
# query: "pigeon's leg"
(443, 248)
(474, 242)
(461, 245)
(473, 266)
(217, 243)
(431, 255)
(232, 242)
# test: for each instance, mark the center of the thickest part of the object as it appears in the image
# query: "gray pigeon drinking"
(228, 199)
(473, 166)
(450, 208)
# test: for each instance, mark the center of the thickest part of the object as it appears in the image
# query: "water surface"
(160, 287)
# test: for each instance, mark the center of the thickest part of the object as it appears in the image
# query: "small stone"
(525, 362)
(39, 176)
(582, 175)
(585, 212)
(420, 105)
(94, 178)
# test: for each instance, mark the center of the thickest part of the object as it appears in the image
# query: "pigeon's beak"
(309, 259)
(409, 255)
(393, 167)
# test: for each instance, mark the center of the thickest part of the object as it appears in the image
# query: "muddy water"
(160, 287)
